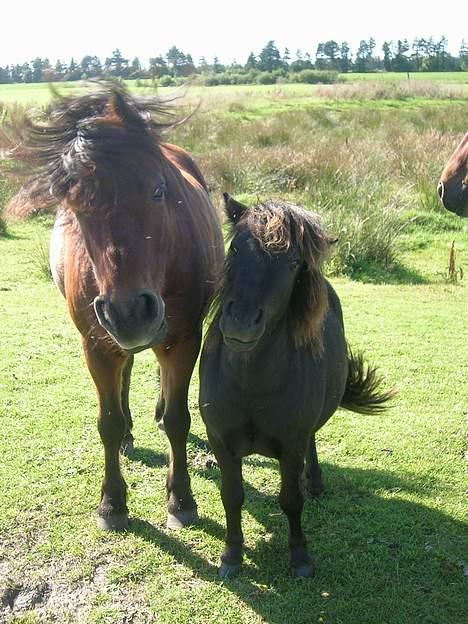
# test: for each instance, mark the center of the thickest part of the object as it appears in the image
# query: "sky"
(206, 28)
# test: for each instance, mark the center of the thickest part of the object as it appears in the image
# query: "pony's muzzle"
(135, 324)
(242, 328)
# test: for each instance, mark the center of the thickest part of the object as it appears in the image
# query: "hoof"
(117, 522)
(229, 570)
(304, 571)
(182, 518)
(127, 447)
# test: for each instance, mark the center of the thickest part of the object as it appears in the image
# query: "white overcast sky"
(229, 30)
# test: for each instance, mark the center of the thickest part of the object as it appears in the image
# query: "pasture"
(389, 536)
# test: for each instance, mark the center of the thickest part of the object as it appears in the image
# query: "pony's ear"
(120, 110)
(234, 209)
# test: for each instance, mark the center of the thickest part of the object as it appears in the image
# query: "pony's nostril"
(259, 317)
(102, 308)
(147, 307)
(440, 190)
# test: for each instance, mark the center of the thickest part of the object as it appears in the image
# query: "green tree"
(269, 58)
(5, 75)
(26, 73)
(251, 62)
(387, 55)
(74, 70)
(59, 70)
(116, 65)
(463, 55)
(37, 65)
(217, 67)
(158, 67)
(401, 62)
(345, 57)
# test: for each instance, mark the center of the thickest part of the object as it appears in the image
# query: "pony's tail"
(362, 393)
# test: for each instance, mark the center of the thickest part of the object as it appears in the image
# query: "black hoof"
(229, 570)
(113, 522)
(127, 447)
(179, 519)
(304, 571)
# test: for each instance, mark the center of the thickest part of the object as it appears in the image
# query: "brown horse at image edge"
(135, 249)
(453, 184)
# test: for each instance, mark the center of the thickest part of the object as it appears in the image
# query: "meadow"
(389, 535)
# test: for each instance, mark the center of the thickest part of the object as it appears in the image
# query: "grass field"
(389, 535)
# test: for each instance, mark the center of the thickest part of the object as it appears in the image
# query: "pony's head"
(273, 271)
(99, 157)
(453, 185)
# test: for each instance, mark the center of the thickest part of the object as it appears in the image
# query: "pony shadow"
(359, 535)
(201, 444)
(148, 457)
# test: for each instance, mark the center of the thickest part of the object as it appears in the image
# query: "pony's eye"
(159, 191)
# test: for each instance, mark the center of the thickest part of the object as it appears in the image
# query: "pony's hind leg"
(106, 368)
(292, 502)
(128, 439)
(313, 473)
(176, 369)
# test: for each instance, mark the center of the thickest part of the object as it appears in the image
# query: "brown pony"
(453, 185)
(135, 250)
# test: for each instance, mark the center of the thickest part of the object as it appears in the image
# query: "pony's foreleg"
(106, 369)
(292, 502)
(176, 369)
(313, 473)
(232, 495)
(128, 439)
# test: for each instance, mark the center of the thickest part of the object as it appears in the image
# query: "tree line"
(269, 65)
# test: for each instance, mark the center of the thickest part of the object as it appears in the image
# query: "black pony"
(275, 365)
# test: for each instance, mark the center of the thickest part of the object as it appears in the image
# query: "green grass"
(446, 77)
(295, 94)
(389, 536)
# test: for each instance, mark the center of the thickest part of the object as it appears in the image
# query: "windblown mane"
(82, 140)
(279, 227)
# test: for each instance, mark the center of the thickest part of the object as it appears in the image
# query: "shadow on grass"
(148, 457)
(152, 458)
(376, 274)
(9, 235)
(379, 557)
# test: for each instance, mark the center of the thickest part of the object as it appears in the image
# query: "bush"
(314, 76)
(167, 81)
(266, 78)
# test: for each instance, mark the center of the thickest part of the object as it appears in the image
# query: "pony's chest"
(255, 422)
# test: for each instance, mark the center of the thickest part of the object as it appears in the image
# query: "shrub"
(314, 76)
(167, 81)
(266, 78)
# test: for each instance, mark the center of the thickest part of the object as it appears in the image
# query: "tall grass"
(365, 170)
(344, 152)
(6, 191)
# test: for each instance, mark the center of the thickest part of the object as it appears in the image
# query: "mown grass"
(389, 536)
